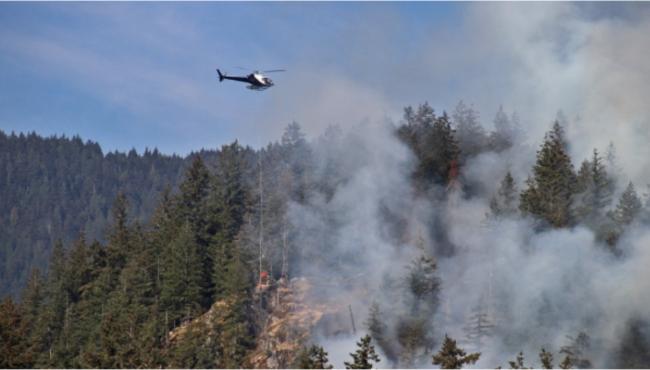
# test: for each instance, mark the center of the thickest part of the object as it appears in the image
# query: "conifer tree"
(312, 357)
(434, 143)
(576, 351)
(469, 132)
(229, 204)
(192, 208)
(414, 330)
(566, 363)
(628, 207)
(583, 177)
(237, 329)
(632, 350)
(14, 346)
(444, 146)
(504, 202)
(423, 282)
(365, 356)
(32, 301)
(596, 189)
(379, 332)
(51, 319)
(479, 327)
(611, 159)
(503, 135)
(180, 293)
(77, 269)
(137, 286)
(518, 363)
(451, 356)
(92, 307)
(193, 191)
(550, 191)
(118, 247)
(114, 349)
(298, 158)
(546, 358)
(414, 337)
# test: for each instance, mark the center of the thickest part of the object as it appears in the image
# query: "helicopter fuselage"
(256, 80)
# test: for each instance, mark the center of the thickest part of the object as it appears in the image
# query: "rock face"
(288, 316)
(287, 325)
(294, 314)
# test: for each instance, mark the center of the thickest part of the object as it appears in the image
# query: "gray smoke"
(536, 287)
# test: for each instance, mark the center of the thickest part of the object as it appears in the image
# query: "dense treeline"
(110, 300)
(112, 303)
(55, 188)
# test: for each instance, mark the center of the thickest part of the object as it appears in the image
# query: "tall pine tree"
(365, 357)
(451, 356)
(550, 190)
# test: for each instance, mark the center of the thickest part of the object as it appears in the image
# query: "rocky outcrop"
(294, 314)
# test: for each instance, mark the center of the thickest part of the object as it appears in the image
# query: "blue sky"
(143, 74)
(136, 75)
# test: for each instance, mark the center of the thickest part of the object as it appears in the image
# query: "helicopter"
(256, 79)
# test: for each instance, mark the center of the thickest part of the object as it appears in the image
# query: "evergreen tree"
(576, 351)
(546, 358)
(445, 148)
(414, 329)
(237, 331)
(433, 141)
(229, 205)
(451, 356)
(32, 301)
(118, 248)
(194, 191)
(518, 363)
(298, 158)
(479, 327)
(415, 339)
(378, 330)
(194, 350)
(52, 318)
(14, 347)
(628, 207)
(502, 137)
(612, 161)
(583, 178)
(504, 203)
(365, 356)
(180, 293)
(60, 187)
(596, 190)
(632, 351)
(566, 363)
(424, 284)
(92, 307)
(550, 191)
(313, 357)
(469, 132)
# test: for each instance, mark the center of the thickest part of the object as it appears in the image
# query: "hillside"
(56, 188)
(254, 256)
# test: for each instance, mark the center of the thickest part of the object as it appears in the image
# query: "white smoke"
(539, 287)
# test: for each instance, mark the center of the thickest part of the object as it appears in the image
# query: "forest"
(446, 244)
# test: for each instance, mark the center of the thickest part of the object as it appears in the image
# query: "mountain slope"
(57, 187)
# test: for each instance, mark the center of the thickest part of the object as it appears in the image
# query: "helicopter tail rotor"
(221, 77)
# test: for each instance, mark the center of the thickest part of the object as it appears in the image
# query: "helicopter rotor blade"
(275, 70)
